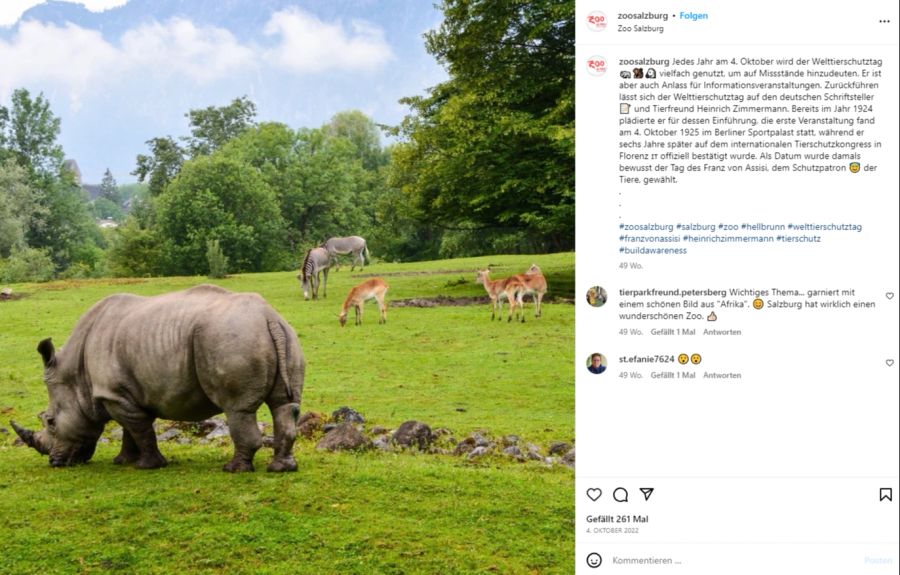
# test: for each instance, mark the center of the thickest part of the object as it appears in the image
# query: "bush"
(218, 263)
(27, 265)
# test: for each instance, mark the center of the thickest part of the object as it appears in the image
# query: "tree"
(161, 166)
(18, 206)
(492, 148)
(109, 189)
(218, 198)
(212, 126)
(28, 133)
(362, 133)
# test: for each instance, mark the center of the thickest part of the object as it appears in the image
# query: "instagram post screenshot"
(338, 287)
(737, 237)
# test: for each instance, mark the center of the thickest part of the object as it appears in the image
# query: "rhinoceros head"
(68, 435)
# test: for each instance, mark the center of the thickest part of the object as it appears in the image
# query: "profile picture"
(596, 363)
(596, 296)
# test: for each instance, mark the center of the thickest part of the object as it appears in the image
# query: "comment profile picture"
(596, 296)
(596, 363)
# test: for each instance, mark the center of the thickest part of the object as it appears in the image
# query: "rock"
(329, 426)
(116, 433)
(346, 414)
(221, 429)
(379, 430)
(510, 440)
(514, 452)
(310, 423)
(383, 442)
(268, 441)
(478, 452)
(440, 432)
(207, 426)
(559, 448)
(168, 434)
(464, 446)
(480, 440)
(6, 293)
(533, 452)
(413, 434)
(343, 437)
(569, 458)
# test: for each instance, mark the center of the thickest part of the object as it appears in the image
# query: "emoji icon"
(683, 358)
(625, 74)
(712, 316)
(651, 73)
(758, 303)
(696, 359)
(594, 560)
(638, 73)
(854, 167)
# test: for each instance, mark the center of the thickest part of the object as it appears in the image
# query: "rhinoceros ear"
(45, 348)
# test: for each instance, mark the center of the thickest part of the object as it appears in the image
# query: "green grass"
(341, 513)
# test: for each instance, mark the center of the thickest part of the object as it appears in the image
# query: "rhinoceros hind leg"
(247, 440)
(284, 419)
(129, 452)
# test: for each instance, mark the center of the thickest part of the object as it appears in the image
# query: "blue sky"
(119, 72)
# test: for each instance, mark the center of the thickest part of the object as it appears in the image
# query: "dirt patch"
(68, 284)
(12, 297)
(439, 301)
(433, 273)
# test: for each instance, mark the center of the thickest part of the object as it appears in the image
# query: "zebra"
(316, 261)
(353, 245)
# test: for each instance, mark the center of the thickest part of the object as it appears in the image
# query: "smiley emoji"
(594, 560)
(683, 358)
(696, 359)
(854, 167)
(758, 303)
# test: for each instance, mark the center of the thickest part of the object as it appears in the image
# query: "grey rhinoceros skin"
(183, 356)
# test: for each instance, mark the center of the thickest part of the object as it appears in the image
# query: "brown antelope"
(374, 288)
(511, 288)
(535, 285)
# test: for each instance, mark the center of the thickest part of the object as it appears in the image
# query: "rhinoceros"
(184, 356)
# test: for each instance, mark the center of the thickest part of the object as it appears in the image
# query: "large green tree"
(492, 149)
(217, 198)
(28, 132)
(18, 206)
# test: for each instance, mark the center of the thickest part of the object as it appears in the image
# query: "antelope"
(374, 288)
(353, 245)
(535, 285)
(315, 262)
(511, 288)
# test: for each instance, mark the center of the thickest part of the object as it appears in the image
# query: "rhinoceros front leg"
(129, 452)
(284, 417)
(138, 437)
(246, 437)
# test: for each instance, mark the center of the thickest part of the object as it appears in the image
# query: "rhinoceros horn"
(30, 439)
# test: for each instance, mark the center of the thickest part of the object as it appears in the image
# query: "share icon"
(647, 491)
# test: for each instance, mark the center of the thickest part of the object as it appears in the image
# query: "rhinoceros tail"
(279, 338)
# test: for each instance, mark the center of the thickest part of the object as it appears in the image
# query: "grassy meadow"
(370, 512)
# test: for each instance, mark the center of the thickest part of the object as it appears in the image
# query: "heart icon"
(889, 295)
(889, 362)
(594, 493)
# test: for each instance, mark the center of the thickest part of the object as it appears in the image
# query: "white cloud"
(12, 10)
(79, 61)
(178, 47)
(309, 45)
